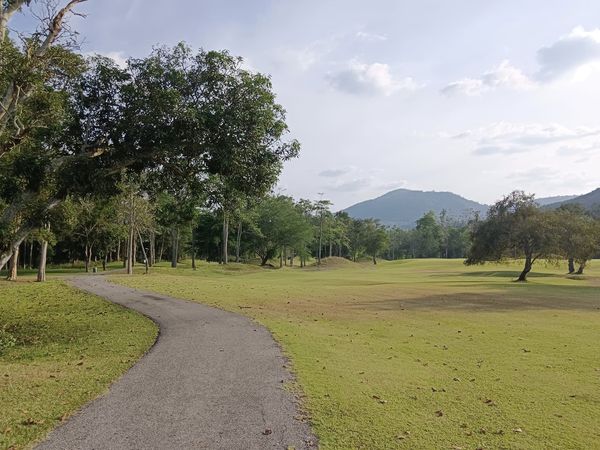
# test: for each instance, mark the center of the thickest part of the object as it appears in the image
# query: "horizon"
(537, 197)
(457, 97)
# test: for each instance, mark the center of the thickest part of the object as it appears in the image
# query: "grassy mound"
(336, 261)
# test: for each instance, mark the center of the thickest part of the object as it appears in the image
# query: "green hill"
(590, 201)
(403, 207)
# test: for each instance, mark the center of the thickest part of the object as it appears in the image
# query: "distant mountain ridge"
(545, 201)
(589, 201)
(403, 207)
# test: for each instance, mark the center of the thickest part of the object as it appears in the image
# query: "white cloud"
(308, 56)
(353, 185)
(376, 78)
(332, 173)
(576, 54)
(118, 57)
(504, 138)
(505, 75)
(370, 37)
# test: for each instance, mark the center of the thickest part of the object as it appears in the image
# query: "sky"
(475, 97)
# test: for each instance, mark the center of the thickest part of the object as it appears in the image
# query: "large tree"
(34, 71)
(579, 236)
(279, 224)
(515, 227)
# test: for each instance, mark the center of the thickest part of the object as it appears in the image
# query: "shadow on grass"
(505, 274)
(505, 300)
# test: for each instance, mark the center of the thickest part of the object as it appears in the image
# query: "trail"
(213, 380)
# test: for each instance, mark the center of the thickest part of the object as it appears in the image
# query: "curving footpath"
(213, 380)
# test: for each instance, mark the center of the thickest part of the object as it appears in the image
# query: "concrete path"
(213, 380)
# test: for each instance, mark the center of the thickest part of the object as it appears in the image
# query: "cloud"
(353, 185)
(536, 174)
(118, 57)
(310, 55)
(370, 37)
(333, 172)
(505, 75)
(504, 138)
(498, 150)
(583, 153)
(578, 51)
(376, 78)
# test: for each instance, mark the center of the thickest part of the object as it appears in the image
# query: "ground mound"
(336, 261)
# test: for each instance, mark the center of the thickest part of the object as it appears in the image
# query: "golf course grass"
(59, 349)
(423, 354)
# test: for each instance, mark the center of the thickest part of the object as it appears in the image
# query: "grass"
(424, 354)
(68, 348)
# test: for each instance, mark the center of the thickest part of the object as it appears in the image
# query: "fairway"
(66, 347)
(424, 354)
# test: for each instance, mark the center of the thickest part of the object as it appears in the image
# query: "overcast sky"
(474, 97)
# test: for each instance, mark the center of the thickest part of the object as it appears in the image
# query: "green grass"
(424, 354)
(69, 347)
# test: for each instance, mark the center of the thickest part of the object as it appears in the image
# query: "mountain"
(590, 201)
(403, 207)
(545, 201)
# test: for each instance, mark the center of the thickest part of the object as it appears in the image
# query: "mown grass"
(425, 354)
(69, 346)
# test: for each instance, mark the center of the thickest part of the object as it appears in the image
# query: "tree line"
(175, 155)
(516, 227)
(180, 129)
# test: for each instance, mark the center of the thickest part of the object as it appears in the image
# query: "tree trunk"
(238, 242)
(571, 265)
(41, 275)
(104, 261)
(263, 260)
(526, 269)
(330, 248)
(174, 246)
(374, 260)
(130, 239)
(162, 247)
(320, 240)
(146, 262)
(88, 257)
(6, 255)
(580, 270)
(225, 238)
(31, 255)
(13, 265)
(119, 250)
(152, 248)
(134, 253)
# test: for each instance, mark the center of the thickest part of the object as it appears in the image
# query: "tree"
(33, 75)
(279, 223)
(515, 226)
(376, 239)
(429, 236)
(579, 236)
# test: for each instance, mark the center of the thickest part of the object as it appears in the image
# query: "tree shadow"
(486, 302)
(506, 274)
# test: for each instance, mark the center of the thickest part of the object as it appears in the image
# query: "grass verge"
(424, 354)
(59, 349)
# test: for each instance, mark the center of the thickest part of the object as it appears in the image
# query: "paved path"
(213, 380)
